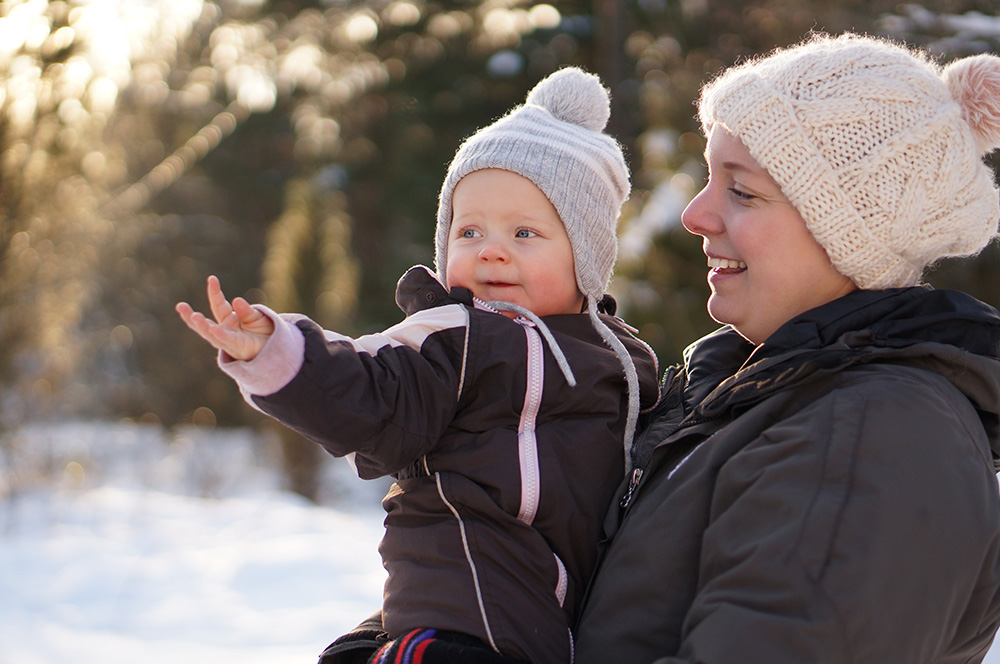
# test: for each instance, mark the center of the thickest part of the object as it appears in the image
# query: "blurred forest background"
(296, 148)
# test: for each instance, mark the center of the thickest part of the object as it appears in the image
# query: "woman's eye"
(741, 195)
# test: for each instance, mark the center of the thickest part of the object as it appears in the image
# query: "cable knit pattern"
(876, 146)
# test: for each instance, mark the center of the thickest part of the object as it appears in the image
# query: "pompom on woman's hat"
(879, 148)
(555, 139)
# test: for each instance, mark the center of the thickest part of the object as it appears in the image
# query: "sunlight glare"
(500, 22)
(252, 88)
(76, 76)
(302, 66)
(225, 55)
(93, 165)
(361, 28)
(544, 17)
(12, 36)
(21, 112)
(36, 33)
(402, 13)
(449, 24)
(102, 95)
(16, 26)
(72, 112)
(59, 40)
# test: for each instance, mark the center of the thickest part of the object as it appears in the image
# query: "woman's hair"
(879, 148)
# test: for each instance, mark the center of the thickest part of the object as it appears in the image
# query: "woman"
(818, 482)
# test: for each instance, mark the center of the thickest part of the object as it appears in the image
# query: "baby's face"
(508, 243)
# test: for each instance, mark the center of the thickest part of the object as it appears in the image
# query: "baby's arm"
(239, 330)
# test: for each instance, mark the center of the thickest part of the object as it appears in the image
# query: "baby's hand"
(239, 330)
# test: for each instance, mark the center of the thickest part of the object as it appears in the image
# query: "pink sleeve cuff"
(276, 364)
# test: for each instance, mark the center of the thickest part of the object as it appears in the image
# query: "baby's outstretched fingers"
(230, 322)
(250, 319)
(198, 323)
(191, 318)
(238, 330)
(221, 308)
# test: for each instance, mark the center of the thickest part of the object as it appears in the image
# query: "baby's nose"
(493, 250)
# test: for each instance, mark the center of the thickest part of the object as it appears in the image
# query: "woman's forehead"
(725, 151)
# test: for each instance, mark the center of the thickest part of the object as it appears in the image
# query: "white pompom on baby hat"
(878, 148)
(555, 139)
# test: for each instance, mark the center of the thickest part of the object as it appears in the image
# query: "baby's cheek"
(456, 276)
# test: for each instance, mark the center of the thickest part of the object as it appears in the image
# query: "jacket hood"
(947, 332)
(419, 289)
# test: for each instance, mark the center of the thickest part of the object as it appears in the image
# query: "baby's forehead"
(502, 191)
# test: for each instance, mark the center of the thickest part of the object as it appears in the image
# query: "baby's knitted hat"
(878, 148)
(556, 140)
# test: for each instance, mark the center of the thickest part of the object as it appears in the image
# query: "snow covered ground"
(123, 559)
(120, 544)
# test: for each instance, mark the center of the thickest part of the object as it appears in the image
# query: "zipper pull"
(633, 483)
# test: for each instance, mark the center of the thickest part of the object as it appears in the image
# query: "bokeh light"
(148, 143)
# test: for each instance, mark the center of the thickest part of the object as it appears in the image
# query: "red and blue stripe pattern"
(407, 649)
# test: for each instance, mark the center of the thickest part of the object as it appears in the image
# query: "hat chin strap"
(631, 378)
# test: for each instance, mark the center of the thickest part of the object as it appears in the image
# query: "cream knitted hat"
(878, 148)
(556, 140)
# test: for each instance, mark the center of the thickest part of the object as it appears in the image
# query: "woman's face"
(764, 265)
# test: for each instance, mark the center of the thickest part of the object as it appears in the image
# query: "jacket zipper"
(637, 474)
(527, 442)
(633, 483)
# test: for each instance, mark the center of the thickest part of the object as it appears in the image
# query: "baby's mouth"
(726, 265)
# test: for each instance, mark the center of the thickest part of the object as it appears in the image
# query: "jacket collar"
(893, 317)
(420, 289)
(946, 331)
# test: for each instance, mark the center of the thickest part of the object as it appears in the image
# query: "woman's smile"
(722, 264)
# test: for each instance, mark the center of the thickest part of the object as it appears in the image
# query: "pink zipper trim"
(527, 443)
(562, 586)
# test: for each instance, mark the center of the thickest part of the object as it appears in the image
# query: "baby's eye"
(468, 233)
(524, 233)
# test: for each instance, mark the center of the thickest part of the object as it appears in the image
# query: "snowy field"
(119, 545)
(124, 559)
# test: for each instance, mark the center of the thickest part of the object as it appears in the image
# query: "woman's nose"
(700, 216)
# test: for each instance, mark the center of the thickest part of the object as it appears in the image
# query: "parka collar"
(893, 317)
(947, 331)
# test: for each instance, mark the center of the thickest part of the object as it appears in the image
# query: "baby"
(504, 403)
